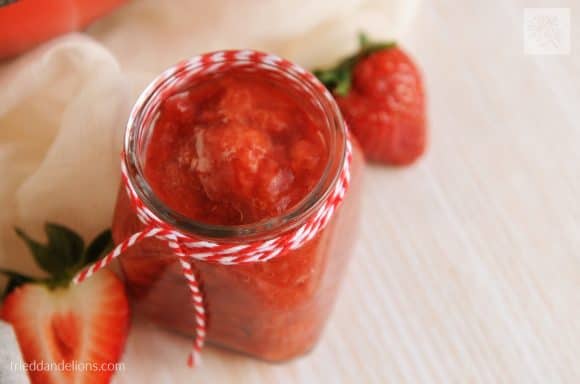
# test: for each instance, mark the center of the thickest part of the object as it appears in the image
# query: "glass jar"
(273, 310)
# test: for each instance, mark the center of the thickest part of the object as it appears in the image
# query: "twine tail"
(194, 359)
(197, 301)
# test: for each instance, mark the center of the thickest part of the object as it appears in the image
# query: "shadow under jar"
(246, 151)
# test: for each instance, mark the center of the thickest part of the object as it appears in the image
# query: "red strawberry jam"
(234, 150)
(238, 148)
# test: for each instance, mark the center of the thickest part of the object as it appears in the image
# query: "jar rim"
(206, 64)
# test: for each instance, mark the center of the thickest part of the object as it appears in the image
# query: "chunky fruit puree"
(234, 150)
(238, 148)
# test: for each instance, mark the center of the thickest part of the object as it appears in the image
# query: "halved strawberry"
(79, 330)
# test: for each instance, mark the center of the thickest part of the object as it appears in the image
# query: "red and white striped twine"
(187, 247)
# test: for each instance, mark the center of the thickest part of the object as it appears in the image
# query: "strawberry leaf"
(40, 252)
(62, 256)
(101, 245)
(337, 79)
(63, 251)
(15, 279)
(367, 46)
(65, 244)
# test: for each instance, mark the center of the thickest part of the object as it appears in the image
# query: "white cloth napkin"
(62, 110)
(63, 106)
(11, 364)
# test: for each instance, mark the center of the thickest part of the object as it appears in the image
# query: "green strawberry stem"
(61, 257)
(339, 78)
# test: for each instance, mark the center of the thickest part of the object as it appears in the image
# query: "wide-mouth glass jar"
(276, 309)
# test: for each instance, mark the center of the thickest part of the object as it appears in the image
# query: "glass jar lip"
(214, 60)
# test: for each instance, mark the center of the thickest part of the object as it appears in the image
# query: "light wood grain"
(468, 268)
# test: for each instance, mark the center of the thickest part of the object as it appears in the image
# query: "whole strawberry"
(67, 334)
(380, 93)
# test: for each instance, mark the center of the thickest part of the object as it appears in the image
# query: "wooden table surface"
(468, 266)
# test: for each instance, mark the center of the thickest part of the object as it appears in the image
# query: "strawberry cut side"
(83, 328)
(67, 334)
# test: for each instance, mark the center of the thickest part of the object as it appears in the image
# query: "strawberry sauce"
(235, 150)
(238, 148)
